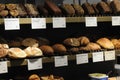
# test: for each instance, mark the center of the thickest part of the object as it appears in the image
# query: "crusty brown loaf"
(52, 8)
(83, 40)
(46, 49)
(115, 6)
(103, 7)
(116, 43)
(105, 43)
(59, 48)
(74, 49)
(31, 9)
(88, 8)
(34, 77)
(95, 8)
(78, 9)
(71, 42)
(2, 7)
(68, 9)
(4, 13)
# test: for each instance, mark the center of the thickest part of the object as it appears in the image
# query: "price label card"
(115, 21)
(34, 64)
(61, 61)
(59, 22)
(3, 67)
(81, 58)
(38, 23)
(98, 56)
(109, 55)
(12, 24)
(91, 21)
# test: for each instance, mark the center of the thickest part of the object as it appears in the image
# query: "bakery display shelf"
(68, 19)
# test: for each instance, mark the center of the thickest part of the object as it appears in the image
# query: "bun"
(105, 43)
(83, 40)
(16, 53)
(71, 42)
(46, 49)
(33, 51)
(59, 48)
(34, 77)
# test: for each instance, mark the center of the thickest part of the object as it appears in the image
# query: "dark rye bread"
(103, 8)
(88, 8)
(52, 8)
(78, 9)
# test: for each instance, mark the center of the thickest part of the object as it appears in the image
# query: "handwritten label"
(38, 23)
(34, 64)
(12, 24)
(3, 67)
(115, 21)
(109, 55)
(82, 58)
(91, 21)
(59, 22)
(98, 56)
(61, 61)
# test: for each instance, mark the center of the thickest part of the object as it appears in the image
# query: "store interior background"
(72, 71)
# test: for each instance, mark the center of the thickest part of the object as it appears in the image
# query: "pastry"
(30, 42)
(105, 43)
(33, 51)
(59, 48)
(46, 49)
(34, 77)
(71, 42)
(16, 53)
(83, 40)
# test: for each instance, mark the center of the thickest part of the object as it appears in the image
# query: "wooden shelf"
(68, 19)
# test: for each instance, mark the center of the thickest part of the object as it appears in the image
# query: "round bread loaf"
(46, 49)
(43, 41)
(4, 13)
(59, 48)
(34, 77)
(71, 42)
(83, 40)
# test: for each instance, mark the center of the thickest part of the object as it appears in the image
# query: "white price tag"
(59, 22)
(91, 21)
(98, 56)
(116, 21)
(82, 58)
(34, 64)
(109, 55)
(3, 67)
(61, 61)
(12, 24)
(38, 23)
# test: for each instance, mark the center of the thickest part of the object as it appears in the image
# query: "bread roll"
(105, 43)
(11, 6)
(83, 40)
(34, 77)
(16, 53)
(71, 42)
(30, 42)
(14, 13)
(59, 48)
(47, 50)
(4, 13)
(2, 7)
(33, 51)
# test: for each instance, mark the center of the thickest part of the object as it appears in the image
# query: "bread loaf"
(21, 10)
(11, 6)
(116, 43)
(16, 53)
(2, 7)
(103, 7)
(52, 8)
(14, 13)
(34, 77)
(4, 13)
(83, 40)
(95, 8)
(59, 48)
(3, 50)
(47, 50)
(78, 9)
(31, 9)
(105, 43)
(68, 9)
(42, 41)
(88, 8)
(42, 10)
(71, 42)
